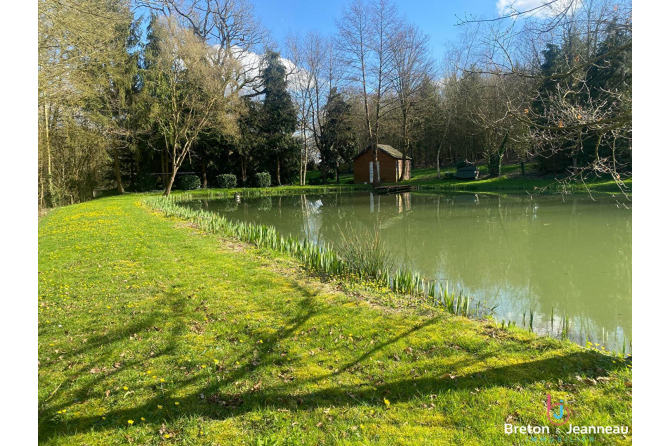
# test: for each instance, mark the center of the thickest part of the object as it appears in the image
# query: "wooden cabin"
(390, 165)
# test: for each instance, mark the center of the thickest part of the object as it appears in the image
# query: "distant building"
(390, 165)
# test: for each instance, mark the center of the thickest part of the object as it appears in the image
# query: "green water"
(571, 255)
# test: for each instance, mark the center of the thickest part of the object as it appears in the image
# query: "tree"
(366, 33)
(185, 84)
(411, 66)
(250, 138)
(233, 31)
(337, 138)
(279, 120)
(116, 83)
(568, 114)
(77, 42)
(317, 72)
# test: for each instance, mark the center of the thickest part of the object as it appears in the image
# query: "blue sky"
(436, 18)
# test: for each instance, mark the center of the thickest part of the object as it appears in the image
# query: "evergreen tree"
(338, 137)
(279, 117)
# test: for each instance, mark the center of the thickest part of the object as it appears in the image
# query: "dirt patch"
(233, 245)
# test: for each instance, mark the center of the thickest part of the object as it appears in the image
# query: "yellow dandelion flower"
(176, 403)
(125, 388)
(387, 402)
(130, 422)
(142, 419)
(160, 407)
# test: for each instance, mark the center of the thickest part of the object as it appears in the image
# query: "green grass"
(511, 180)
(425, 178)
(139, 312)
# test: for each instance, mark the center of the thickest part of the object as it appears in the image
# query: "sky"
(436, 18)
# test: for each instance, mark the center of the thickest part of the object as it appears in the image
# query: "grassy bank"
(153, 332)
(426, 179)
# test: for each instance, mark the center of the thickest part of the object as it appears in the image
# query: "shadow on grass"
(210, 401)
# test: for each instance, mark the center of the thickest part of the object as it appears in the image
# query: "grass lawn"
(153, 332)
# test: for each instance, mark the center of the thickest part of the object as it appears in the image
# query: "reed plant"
(365, 252)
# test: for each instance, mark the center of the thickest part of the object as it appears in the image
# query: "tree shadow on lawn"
(147, 324)
(208, 401)
(49, 428)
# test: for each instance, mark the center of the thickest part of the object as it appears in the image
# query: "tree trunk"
(406, 144)
(203, 164)
(495, 159)
(324, 167)
(337, 172)
(168, 188)
(278, 174)
(117, 171)
(244, 171)
(376, 177)
(132, 171)
(163, 168)
(47, 143)
(303, 166)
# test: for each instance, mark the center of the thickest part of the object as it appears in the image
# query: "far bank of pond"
(565, 259)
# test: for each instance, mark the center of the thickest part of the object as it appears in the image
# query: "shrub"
(227, 180)
(188, 182)
(145, 183)
(263, 179)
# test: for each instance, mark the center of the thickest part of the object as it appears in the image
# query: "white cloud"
(550, 8)
(252, 66)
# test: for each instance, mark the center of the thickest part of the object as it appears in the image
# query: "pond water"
(567, 255)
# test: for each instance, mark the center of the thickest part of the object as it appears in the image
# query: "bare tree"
(186, 86)
(411, 64)
(366, 33)
(576, 58)
(316, 74)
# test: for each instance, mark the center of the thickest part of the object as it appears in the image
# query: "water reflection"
(568, 256)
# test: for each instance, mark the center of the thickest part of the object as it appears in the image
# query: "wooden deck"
(395, 189)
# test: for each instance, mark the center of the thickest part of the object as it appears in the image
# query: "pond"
(563, 256)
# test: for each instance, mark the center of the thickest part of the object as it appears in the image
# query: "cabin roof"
(386, 149)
